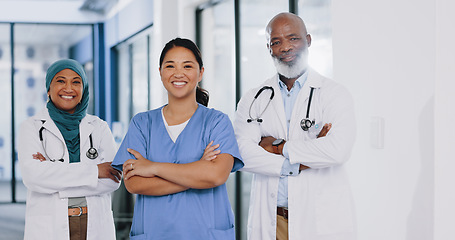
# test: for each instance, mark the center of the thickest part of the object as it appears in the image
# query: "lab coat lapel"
(48, 124)
(85, 129)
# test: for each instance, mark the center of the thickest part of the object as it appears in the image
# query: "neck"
(179, 111)
(288, 81)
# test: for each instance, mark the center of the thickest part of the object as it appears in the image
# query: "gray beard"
(294, 70)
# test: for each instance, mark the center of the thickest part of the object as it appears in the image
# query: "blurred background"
(395, 57)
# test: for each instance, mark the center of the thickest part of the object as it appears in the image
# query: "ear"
(201, 73)
(159, 70)
(308, 39)
(270, 50)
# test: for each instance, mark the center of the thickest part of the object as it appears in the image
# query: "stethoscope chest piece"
(92, 153)
(306, 124)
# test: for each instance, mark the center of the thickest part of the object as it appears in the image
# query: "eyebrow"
(60, 76)
(171, 61)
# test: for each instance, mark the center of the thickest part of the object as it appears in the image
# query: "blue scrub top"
(194, 213)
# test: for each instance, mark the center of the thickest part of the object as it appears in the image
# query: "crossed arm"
(266, 143)
(142, 176)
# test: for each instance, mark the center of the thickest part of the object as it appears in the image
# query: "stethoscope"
(305, 123)
(92, 153)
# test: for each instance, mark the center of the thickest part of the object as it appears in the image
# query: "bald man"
(295, 132)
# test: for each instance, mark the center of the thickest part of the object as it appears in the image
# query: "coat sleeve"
(107, 150)
(49, 177)
(255, 158)
(335, 148)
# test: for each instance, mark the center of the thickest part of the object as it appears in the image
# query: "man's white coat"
(319, 201)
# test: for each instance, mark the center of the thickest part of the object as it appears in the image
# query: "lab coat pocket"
(334, 212)
(314, 131)
(217, 234)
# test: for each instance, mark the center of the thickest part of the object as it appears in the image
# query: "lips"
(67, 97)
(179, 84)
(287, 57)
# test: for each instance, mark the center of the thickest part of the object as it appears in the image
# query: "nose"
(178, 72)
(68, 87)
(286, 46)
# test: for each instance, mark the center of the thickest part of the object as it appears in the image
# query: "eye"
(295, 39)
(168, 66)
(59, 81)
(188, 66)
(77, 82)
(274, 43)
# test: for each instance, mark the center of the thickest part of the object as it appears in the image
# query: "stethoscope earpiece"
(258, 119)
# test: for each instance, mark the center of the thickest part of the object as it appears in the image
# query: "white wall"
(388, 53)
(444, 119)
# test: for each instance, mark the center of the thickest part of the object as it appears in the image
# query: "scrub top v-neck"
(194, 213)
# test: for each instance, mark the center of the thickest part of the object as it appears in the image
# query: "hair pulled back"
(202, 95)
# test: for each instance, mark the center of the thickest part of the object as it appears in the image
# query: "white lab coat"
(49, 184)
(319, 201)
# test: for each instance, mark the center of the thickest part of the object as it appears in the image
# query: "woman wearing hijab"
(64, 156)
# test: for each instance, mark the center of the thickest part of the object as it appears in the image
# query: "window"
(35, 47)
(5, 108)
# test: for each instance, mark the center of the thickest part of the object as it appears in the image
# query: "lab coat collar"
(85, 127)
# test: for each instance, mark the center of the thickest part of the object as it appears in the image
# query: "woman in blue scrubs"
(178, 157)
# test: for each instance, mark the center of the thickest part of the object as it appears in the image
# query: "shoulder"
(95, 121)
(212, 113)
(213, 117)
(147, 115)
(249, 95)
(328, 85)
(39, 117)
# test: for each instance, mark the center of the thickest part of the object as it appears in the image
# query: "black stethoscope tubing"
(305, 123)
(92, 153)
(259, 119)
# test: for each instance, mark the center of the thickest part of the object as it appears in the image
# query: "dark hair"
(202, 95)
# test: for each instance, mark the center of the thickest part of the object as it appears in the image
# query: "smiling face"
(180, 73)
(65, 90)
(288, 42)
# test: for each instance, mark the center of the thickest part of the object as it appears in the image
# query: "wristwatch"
(277, 143)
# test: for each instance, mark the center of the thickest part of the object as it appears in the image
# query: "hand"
(266, 143)
(138, 167)
(325, 130)
(39, 156)
(105, 170)
(210, 152)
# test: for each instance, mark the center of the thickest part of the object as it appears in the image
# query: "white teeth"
(67, 97)
(179, 83)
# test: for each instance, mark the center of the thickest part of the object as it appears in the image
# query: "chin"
(292, 69)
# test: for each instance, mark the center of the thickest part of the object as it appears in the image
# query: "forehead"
(285, 26)
(179, 53)
(66, 73)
